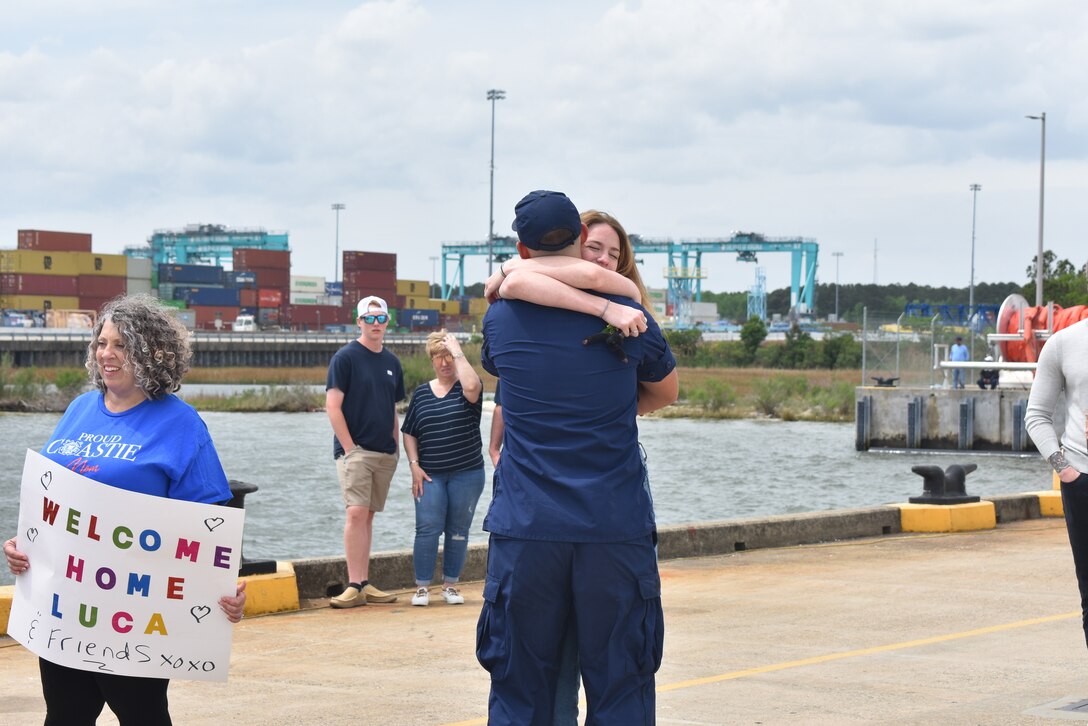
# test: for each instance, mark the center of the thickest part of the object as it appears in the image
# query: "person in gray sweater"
(1063, 368)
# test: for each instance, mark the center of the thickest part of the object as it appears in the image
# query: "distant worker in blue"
(958, 353)
(988, 377)
(364, 383)
(570, 519)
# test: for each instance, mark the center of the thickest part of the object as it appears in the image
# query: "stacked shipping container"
(368, 273)
(271, 276)
(58, 271)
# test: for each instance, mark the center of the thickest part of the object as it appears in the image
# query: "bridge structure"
(684, 271)
(205, 244)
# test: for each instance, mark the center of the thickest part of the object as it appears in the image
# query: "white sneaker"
(422, 597)
(452, 596)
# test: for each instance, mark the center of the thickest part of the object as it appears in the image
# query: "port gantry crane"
(684, 271)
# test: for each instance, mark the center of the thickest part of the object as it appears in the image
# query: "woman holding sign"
(131, 432)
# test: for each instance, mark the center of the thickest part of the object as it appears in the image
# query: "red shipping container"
(352, 297)
(267, 298)
(363, 279)
(272, 278)
(382, 261)
(247, 298)
(90, 302)
(12, 283)
(38, 239)
(250, 259)
(206, 316)
(101, 286)
(313, 315)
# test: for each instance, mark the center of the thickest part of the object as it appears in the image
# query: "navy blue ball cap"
(541, 212)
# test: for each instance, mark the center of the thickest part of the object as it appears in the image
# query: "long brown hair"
(625, 265)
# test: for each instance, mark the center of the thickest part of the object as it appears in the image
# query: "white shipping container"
(307, 283)
(305, 298)
(138, 268)
(138, 285)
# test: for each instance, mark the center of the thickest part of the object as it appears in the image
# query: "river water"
(699, 471)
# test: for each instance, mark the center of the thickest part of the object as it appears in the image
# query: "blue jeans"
(447, 505)
(958, 376)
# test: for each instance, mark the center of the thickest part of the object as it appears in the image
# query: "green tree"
(752, 335)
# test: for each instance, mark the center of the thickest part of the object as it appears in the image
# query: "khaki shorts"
(365, 477)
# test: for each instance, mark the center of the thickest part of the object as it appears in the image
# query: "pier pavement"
(977, 627)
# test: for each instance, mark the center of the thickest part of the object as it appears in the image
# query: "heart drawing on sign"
(32, 533)
(47, 477)
(212, 522)
(200, 612)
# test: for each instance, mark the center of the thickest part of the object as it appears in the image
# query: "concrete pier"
(956, 629)
(941, 418)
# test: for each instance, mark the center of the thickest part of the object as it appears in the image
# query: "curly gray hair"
(156, 344)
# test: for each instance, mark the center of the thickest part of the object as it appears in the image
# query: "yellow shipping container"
(38, 302)
(448, 307)
(421, 303)
(477, 306)
(38, 262)
(92, 263)
(415, 288)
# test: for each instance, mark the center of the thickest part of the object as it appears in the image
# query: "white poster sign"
(122, 582)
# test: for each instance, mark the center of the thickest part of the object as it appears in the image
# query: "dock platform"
(975, 627)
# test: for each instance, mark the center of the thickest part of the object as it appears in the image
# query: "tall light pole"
(836, 255)
(336, 259)
(493, 95)
(1042, 184)
(975, 189)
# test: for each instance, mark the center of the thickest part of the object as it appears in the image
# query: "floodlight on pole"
(836, 255)
(1042, 186)
(336, 207)
(975, 189)
(492, 95)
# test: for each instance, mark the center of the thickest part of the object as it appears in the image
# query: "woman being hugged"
(445, 452)
(138, 354)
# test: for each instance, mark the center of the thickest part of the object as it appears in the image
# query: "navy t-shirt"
(448, 429)
(372, 384)
(570, 468)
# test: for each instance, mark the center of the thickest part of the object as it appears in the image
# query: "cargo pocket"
(492, 638)
(652, 631)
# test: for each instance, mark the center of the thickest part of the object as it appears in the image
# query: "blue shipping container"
(196, 274)
(334, 288)
(224, 296)
(242, 279)
(417, 318)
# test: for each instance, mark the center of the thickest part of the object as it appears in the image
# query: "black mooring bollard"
(944, 487)
(239, 490)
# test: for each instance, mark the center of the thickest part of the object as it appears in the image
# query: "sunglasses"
(371, 319)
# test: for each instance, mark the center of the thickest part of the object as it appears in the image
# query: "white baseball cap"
(368, 302)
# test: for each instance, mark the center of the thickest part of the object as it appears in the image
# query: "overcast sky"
(858, 123)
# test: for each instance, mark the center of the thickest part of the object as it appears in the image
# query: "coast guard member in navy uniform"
(570, 520)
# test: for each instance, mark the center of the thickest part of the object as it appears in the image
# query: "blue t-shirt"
(959, 352)
(160, 447)
(570, 468)
(448, 429)
(372, 384)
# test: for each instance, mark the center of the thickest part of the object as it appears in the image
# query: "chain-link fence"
(903, 350)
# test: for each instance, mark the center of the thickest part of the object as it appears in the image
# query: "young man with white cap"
(570, 520)
(364, 383)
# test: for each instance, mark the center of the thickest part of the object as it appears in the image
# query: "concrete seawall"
(320, 577)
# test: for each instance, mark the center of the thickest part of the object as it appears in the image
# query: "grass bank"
(813, 395)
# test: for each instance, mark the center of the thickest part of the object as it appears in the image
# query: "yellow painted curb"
(947, 517)
(1050, 504)
(7, 594)
(1056, 479)
(273, 593)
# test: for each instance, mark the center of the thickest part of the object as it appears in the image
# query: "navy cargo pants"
(612, 594)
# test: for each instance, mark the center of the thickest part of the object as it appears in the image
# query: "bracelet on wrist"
(502, 270)
(605, 308)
